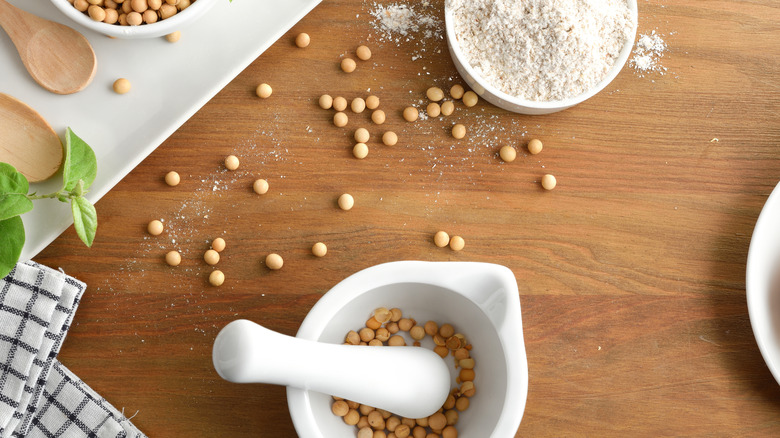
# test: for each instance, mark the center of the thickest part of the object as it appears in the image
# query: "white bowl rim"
(435, 274)
(620, 62)
(757, 296)
(159, 28)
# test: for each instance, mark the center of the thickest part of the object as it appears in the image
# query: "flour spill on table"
(414, 25)
(399, 22)
(648, 53)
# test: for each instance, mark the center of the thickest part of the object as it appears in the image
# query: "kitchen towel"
(40, 397)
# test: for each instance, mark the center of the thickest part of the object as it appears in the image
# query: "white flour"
(542, 50)
(649, 50)
(397, 21)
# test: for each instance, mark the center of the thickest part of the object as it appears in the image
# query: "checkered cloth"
(39, 397)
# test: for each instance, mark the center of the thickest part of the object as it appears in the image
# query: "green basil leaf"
(13, 205)
(84, 219)
(12, 181)
(80, 162)
(13, 193)
(11, 243)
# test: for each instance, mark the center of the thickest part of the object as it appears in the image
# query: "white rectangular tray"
(170, 83)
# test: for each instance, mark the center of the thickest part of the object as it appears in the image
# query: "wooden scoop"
(27, 142)
(60, 59)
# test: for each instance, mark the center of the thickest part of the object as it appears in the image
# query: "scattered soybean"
(264, 91)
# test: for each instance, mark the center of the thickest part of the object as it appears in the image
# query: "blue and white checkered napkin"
(39, 397)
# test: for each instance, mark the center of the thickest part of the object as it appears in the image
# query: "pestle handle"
(412, 382)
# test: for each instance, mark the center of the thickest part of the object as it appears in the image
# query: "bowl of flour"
(539, 56)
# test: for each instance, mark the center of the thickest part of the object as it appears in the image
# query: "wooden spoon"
(60, 59)
(27, 142)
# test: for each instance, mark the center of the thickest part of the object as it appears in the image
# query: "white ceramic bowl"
(763, 282)
(525, 106)
(160, 28)
(482, 302)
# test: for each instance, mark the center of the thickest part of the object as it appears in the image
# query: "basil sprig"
(78, 174)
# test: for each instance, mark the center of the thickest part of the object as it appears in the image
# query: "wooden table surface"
(631, 272)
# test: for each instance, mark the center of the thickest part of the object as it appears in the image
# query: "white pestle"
(412, 382)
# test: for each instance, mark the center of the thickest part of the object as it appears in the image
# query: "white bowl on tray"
(525, 106)
(762, 282)
(481, 300)
(160, 28)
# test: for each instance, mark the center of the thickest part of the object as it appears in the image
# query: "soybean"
(134, 18)
(218, 244)
(435, 94)
(446, 330)
(417, 333)
(378, 117)
(325, 101)
(431, 328)
(302, 40)
(96, 13)
(441, 239)
(173, 258)
(456, 91)
(358, 105)
(352, 417)
(155, 227)
(171, 37)
(260, 186)
(457, 243)
(340, 119)
(396, 341)
(112, 16)
(372, 102)
(346, 202)
(535, 146)
(549, 182)
(508, 153)
(410, 114)
(363, 53)
(383, 315)
(360, 151)
(470, 98)
(264, 91)
(447, 108)
(216, 278)
(462, 404)
(231, 162)
(172, 178)
(362, 135)
(211, 257)
(433, 109)
(319, 249)
(274, 261)
(348, 65)
(437, 421)
(339, 103)
(390, 138)
(458, 131)
(122, 86)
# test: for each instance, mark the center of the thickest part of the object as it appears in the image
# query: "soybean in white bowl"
(182, 19)
(480, 299)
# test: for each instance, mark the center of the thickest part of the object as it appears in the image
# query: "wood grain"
(631, 272)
